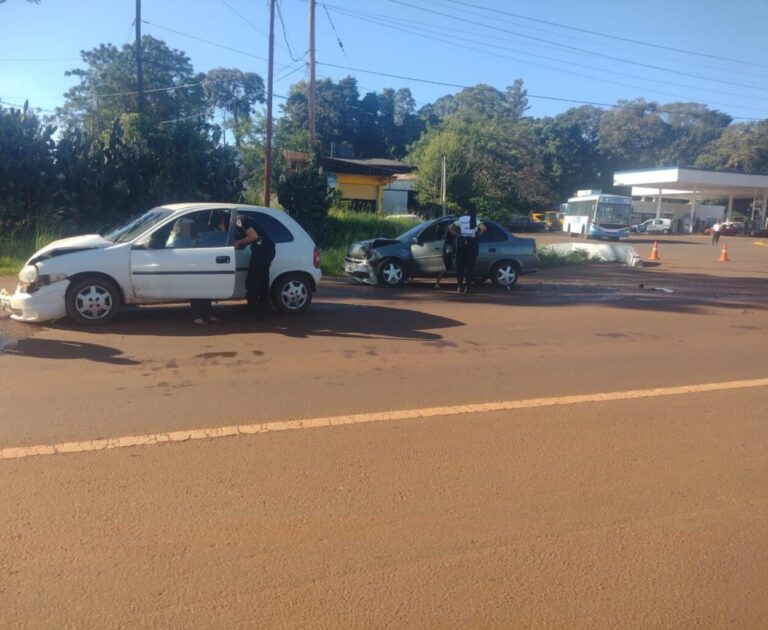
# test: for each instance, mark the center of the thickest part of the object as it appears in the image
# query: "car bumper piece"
(360, 271)
(45, 304)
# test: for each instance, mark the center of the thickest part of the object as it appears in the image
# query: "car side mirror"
(415, 240)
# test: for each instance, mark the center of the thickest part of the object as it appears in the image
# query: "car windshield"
(414, 231)
(137, 225)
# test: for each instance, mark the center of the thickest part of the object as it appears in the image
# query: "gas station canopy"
(693, 184)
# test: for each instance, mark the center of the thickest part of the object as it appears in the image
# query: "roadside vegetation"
(346, 227)
(548, 258)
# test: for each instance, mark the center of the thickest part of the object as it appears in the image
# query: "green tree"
(307, 198)
(742, 147)
(26, 166)
(108, 86)
(570, 144)
(235, 93)
(693, 126)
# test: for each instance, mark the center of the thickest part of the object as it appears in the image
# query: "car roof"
(198, 205)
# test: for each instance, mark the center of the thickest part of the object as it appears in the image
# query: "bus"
(598, 216)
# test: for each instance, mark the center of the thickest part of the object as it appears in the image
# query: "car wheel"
(391, 273)
(292, 294)
(505, 274)
(92, 300)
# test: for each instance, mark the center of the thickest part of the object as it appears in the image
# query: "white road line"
(22, 452)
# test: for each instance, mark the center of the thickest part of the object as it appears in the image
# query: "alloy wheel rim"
(506, 275)
(392, 273)
(294, 295)
(93, 302)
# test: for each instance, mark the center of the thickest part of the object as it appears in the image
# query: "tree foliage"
(307, 198)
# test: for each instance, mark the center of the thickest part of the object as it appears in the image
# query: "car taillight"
(316, 258)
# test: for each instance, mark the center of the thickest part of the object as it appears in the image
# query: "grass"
(549, 258)
(345, 227)
(17, 246)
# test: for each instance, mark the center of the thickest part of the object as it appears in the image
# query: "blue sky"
(457, 42)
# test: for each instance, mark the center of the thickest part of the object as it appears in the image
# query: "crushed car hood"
(363, 248)
(70, 245)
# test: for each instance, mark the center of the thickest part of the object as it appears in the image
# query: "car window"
(194, 230)
(435, 232)
(493, 233)
(273, 228)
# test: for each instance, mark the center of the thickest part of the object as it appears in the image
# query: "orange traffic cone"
(655, 252)
(724, 254)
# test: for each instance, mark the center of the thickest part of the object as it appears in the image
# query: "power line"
(285, 32)
(382, 21)
(528, 95)
(207, 41)
(705, 63)
(338, 39)
(616, 37)
(243, 18)
(576, 49)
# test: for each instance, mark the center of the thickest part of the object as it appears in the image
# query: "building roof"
(374, 166)
(689, 183)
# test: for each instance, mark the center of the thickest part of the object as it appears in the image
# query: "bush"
(307, 199)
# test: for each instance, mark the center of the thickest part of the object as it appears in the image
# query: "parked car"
(526, 224)
(727, 229)
(653, 226)
(151, 259)
(390, 262)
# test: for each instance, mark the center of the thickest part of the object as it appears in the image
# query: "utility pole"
(270, 72)
(139, 68)
(443, 187)
(311, 95)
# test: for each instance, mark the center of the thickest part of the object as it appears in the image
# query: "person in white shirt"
(467, 230)
(716, 232)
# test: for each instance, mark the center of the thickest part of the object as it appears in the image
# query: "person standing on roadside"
(716, 232)
(262, 254)
(467, 230)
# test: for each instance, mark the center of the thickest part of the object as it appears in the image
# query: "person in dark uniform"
(262, 254)
(467, 230)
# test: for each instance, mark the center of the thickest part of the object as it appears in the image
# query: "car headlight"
(29, 274)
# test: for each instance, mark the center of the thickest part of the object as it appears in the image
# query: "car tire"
(504, 274)
(292, 293)
(92, 300)
(391, 273)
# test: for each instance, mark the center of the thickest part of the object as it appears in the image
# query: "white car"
(662, 226)
(170, 253)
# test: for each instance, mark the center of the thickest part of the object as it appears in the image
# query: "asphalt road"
(645, 508)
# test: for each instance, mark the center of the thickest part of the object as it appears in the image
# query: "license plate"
(353, 267)
(5, 303)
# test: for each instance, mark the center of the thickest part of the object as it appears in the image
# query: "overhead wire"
(607, 35)
(528, 94)
(285, 32)
(397, 25)
(335, 32)
(576, 49)
(421, 34)
(701, 64)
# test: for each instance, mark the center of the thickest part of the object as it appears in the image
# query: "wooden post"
(268, 143)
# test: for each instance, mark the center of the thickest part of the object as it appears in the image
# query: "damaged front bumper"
(43, 304)
(360, 270)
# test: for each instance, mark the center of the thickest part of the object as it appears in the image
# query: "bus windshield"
(617, 213)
